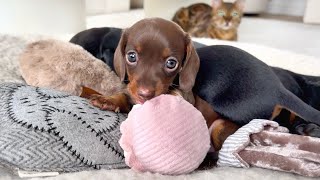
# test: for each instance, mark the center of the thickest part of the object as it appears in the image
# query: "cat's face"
(227, 15)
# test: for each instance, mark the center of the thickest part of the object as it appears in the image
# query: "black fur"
(100, 42)
(240, 87)
(305, 87)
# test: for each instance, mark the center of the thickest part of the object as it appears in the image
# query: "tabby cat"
(219, 21)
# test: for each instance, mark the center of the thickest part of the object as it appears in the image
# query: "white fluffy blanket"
(10, 48)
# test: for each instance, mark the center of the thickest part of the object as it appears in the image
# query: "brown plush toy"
(66, 67)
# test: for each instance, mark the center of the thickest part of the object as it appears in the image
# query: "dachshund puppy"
(231, 84)
(100, 42)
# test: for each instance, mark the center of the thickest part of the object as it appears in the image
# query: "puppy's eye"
(132, 57)
(171, 64)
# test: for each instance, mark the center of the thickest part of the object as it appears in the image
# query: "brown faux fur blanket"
(265, 144)
(66, 67)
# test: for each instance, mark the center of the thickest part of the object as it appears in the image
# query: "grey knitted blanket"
(46, 130)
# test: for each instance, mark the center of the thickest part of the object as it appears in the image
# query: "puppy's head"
(152, 53)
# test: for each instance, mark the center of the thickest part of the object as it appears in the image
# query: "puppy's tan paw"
(104, 103)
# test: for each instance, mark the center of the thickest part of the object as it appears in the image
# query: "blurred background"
(292, 25)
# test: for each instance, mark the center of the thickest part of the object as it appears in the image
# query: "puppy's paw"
(104, 103)
(309, 129)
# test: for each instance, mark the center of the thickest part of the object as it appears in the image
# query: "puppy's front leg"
(118, 102)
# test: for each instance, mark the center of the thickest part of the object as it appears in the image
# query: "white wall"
(312, 13)
(42, 16)
(287, 7)
(167, 8)
(106, 6)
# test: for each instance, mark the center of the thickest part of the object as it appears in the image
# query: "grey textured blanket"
(46, 130)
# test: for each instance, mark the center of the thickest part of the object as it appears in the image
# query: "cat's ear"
(240, 4)
(216, 4)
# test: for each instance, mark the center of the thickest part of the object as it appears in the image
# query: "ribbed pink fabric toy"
(165, 135)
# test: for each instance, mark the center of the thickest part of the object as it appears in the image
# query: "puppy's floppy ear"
(119, 61)
(190, 67)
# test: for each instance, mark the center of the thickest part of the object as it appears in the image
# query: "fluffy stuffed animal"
(165, 135)
(66, 67)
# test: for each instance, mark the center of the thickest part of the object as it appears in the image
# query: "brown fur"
(66, 67)
(221, 130)
(202, 20)
(88, 92)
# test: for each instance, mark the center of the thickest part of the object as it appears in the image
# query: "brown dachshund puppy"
(152, 53)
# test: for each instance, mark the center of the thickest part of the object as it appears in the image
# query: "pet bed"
(302, 64)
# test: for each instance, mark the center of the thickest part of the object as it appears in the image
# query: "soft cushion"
(66, 67)
(47, 130)
(10, 49)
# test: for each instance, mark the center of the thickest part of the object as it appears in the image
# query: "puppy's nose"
(146, 93)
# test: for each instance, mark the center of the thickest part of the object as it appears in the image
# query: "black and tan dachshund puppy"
(236, 84)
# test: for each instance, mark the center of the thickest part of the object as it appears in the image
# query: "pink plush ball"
(165, 135)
